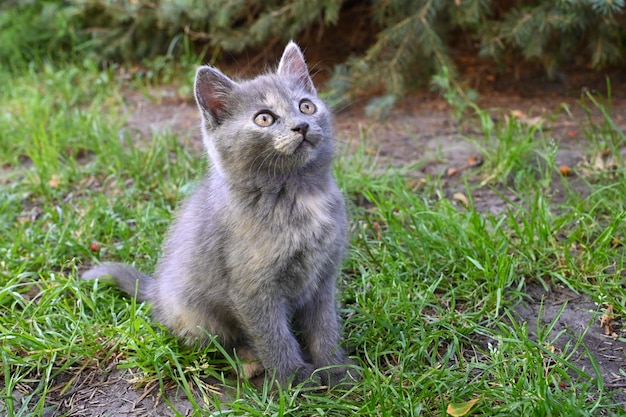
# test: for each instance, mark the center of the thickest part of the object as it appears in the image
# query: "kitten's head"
(266, 128)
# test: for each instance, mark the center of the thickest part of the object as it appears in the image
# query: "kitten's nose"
(302, 128)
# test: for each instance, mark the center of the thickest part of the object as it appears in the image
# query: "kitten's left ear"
(212, 89)
(292, 64)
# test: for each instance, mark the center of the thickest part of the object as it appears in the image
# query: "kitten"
(254, 253)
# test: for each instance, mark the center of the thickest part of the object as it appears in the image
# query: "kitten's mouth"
(298, 145)
(305, 143)
(309, 140)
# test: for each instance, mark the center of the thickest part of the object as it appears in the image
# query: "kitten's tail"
(130, 280)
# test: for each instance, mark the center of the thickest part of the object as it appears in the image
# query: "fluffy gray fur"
(254, 253)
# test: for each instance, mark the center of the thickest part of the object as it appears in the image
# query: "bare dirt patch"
(577, 316)
(98, 393)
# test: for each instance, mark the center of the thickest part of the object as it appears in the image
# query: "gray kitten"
(254, 253)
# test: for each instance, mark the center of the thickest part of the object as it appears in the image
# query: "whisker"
(267, 153)
(275, 166)
(260, 155)
(270, 156)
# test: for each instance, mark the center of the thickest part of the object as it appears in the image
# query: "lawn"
(430, 289)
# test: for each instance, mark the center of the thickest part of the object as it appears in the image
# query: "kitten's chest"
(306, 223)
(291, 244)
(312, 213)
(312, 238)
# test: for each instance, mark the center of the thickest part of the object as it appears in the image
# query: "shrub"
(413, 36)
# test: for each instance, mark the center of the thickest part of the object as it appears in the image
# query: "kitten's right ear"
(212, 88)
(292, 64)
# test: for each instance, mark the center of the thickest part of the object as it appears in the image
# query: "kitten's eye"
(307, 107)
(264, 119)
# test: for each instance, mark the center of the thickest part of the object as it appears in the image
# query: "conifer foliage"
(414, 38)
(413, 42)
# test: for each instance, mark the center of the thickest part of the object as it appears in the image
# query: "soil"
(420, 129)
(580, 317)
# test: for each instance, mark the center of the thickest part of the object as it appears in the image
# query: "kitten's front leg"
(319, 323)
(273, 342)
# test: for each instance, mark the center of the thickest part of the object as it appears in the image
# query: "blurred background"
(384, 48)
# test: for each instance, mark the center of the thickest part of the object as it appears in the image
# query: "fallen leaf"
(95, 247)
(548, 361)
(451, 172)
(600, 162)
(565, 170)
(533, 121)
(606, 321)
(416, 184)
(518, 114)
(523, 118)
(604, 161)
(54, 181)
(474, 161)
(461, 198)
(376, 227)
(461, 409)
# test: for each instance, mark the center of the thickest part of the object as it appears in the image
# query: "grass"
(428, 288)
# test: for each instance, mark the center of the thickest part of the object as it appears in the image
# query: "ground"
(422, 129)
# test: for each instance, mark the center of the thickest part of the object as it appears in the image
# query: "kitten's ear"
(292, 64)
(212, 88)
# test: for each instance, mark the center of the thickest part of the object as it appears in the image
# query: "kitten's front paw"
(341, 377)
(305, 374)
